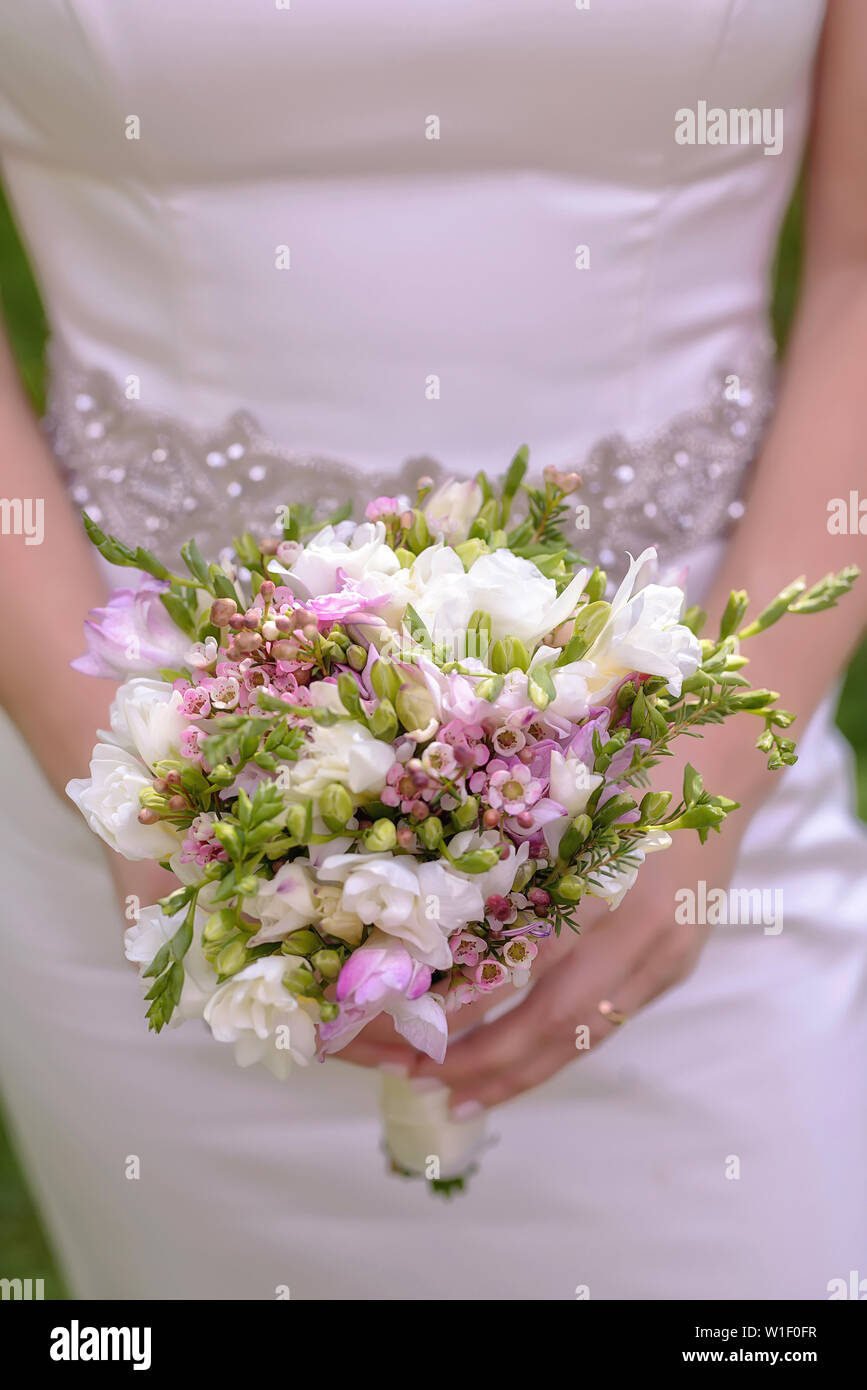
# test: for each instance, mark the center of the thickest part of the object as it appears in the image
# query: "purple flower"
(132, 636)
(382, 977)
(349, 604)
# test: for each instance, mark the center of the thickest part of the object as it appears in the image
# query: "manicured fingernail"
(425, 1083)
(394, 1068)
(467, 1110)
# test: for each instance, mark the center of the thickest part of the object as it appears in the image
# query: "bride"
(311, 252)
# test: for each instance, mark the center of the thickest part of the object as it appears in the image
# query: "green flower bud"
(418, 537)
(614, 808)
(229, 836)
(385, 679)
(574, 837)
(350, 696)
(356, 657)
(328, 963)
(232, 958)
(469, 551)
(490, 688)
(300, 943)
(626, 694)
(301, 980)
(430, 832)
(219, 926)
(328, 1010)
(383, 722)
(653, 806)
(297, 818)
(336, 807)
(508, 654)
(467, 813)
(477, 861)
(571, 887)
(382, 835)
(415, 708)
(596, 585)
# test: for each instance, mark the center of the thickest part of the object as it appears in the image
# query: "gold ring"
(607, 1010)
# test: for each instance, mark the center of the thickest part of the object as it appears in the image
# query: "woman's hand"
(622, 960)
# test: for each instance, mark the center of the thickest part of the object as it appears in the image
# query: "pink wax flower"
(196, 702)
(467, 741)
(191, 743)
(461, 992)
(382, 507)
(520, 952)
(439, 760)
(499, 910)
(511, 787)
(467, 948)
(406, 784)
(132, 635)
(489, 974)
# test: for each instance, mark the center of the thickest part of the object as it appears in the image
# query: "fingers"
(561, 1018)
(366, 1052)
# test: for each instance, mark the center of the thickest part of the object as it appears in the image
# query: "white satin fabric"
(262, 128)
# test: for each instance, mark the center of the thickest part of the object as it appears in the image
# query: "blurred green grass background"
(24, 1250)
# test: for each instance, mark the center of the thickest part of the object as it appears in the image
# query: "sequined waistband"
(149, 477)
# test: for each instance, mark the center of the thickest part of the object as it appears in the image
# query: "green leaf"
(195, 562)
(692, 785)
(179, 613)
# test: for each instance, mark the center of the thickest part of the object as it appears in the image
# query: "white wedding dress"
(283, 250)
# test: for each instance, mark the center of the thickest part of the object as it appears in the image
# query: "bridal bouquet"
(388, 761)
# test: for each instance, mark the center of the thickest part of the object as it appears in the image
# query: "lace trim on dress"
(149, 477)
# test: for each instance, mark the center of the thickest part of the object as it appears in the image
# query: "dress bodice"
(395, 230)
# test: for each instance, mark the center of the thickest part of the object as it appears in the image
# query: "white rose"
(643, 633)
(423, 903)
(255, 1011)
(148, 719)
(451, 509)
(345, 752)
(362, 551)
(109, 801)
(143, 940)
(283, 904)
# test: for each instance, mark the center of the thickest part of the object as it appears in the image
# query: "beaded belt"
(149, 477)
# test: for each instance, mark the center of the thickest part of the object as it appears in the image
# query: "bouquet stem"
(423, 1140)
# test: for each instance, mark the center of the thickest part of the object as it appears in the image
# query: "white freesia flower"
(109, 801)
(644, 634)
(571, 683)
(255, 1011)
(451, 509)
(148, 719)
(571, 784)
(521, 601)
(422, 902)
(500, 879)
(359, 551)
(144, 939)
(283, 904)
(345, 752)
(612, 884)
